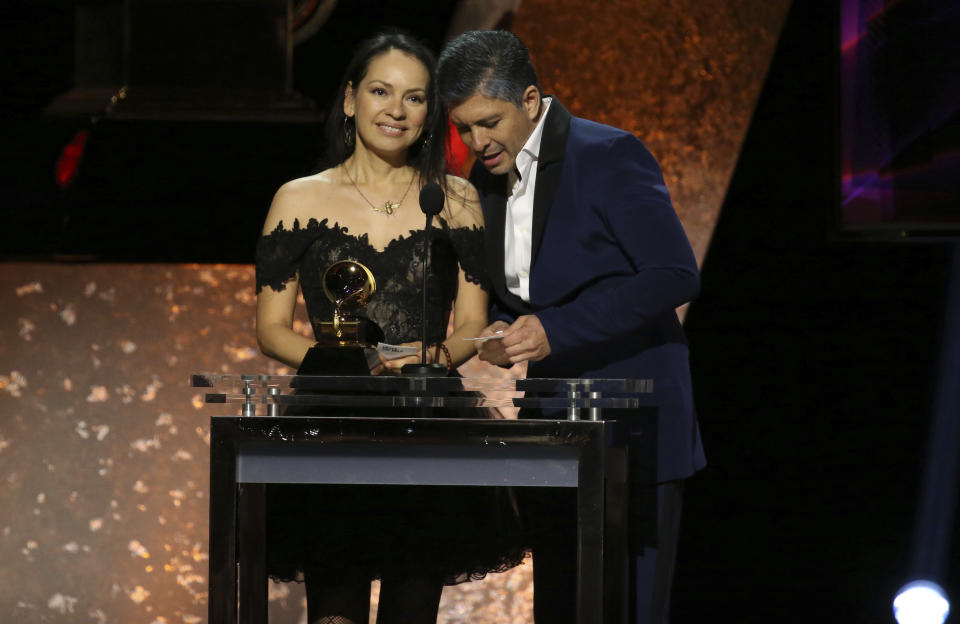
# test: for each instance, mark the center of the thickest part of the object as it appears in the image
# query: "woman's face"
(389, 105)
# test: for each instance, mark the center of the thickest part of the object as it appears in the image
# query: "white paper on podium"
(392, 352)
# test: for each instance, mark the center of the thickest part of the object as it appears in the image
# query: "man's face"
(496, 130)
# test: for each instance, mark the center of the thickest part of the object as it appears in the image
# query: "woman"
(385, 141)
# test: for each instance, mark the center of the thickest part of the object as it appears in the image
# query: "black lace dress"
(355, 532)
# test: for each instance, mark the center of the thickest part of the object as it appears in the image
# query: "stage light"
(921, 602)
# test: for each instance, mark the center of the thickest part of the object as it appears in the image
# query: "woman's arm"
(470, 306)
(469, 319)
(275, 308)
(275, 333)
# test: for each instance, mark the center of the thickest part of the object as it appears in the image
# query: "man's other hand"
(525, 340)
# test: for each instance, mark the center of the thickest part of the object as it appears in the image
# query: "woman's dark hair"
(492, 63)
(426, 155)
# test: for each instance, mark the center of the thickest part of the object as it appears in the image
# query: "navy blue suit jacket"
(610, 264)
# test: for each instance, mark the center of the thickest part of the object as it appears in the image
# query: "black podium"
(259, 447)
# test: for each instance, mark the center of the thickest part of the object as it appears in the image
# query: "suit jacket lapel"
(493, 190)
(553, 146)
(495, 208)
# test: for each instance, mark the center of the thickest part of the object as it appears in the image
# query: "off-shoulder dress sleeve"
(468, 243)
(279, 253)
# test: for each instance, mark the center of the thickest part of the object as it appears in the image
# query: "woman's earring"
(347, 131)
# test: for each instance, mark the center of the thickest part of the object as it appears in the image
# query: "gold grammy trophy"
(349, 285)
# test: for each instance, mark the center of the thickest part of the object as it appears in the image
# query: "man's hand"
(524, 340)
(492, 350)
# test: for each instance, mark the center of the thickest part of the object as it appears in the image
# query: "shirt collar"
(531, 149)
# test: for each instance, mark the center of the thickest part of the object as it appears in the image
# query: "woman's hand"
(393, 366)
(378, 368)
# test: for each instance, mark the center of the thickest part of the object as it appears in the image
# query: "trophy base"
(360, 332)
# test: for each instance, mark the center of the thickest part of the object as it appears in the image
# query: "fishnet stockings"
(346, 603)
(403, 600)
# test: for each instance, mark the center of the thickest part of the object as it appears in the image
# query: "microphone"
(431, 203)
(431, 199)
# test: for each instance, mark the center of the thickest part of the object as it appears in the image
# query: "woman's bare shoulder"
(301, 199)
(461, 187)
(463, 203)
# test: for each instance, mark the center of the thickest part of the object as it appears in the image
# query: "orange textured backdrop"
(683, 75)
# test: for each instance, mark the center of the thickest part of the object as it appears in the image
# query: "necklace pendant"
(389, 207)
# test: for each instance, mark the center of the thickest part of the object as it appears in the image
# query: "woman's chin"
(388, 146)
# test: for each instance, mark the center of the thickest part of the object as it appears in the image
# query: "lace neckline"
(363, 239)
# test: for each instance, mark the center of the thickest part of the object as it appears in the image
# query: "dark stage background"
(814, 359)
(815, 364)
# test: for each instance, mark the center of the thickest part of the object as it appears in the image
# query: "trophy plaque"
(349, 285)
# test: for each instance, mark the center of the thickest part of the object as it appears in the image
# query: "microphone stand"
(431, 203)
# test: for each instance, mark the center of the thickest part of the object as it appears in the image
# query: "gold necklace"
(388, 206)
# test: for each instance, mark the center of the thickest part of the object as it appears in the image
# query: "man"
(588, 263)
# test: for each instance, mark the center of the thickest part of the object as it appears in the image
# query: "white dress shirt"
(518, 222)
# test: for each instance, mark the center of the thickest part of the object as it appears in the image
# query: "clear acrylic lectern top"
(267, 395)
